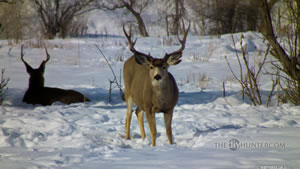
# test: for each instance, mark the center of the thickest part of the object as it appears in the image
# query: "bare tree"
(57, 15)
(135, 7)
(174, 12)
(226, 16)
(288, 57)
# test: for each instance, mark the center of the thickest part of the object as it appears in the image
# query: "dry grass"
(169, 41)
(197, 57)
(120, 58)
(40, 43)
(201, 80)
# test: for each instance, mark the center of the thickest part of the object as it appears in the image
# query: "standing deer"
(150, 86)
(38, 94)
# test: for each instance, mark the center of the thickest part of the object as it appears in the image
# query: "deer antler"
(48, 56)
(181, 41)
(28, 67)
(131, 44)
(22, 54)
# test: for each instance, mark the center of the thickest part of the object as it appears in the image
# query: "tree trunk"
(139, 19)
(176, 19)
(268, 33)
(142, 26)
(289, 62)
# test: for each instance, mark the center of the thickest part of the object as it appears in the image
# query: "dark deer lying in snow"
(37, 93)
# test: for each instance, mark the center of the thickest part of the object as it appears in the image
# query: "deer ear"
(42, 67)
(173, 59)
(142, 59)
(29, 69)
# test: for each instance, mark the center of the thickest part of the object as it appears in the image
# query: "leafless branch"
(249, 82)
(135, 7)
(274, 84)
(115, 80)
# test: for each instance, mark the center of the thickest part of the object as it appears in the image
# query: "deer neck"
(36, 85)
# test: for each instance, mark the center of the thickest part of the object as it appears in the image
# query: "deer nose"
(157, 77)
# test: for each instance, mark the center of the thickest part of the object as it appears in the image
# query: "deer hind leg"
(129, 103)
(140, 116)
(168, 123)
(151, 122)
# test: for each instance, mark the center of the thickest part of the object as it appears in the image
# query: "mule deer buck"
(38, 94)
(150, 86)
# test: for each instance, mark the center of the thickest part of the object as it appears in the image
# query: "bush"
(250, 80)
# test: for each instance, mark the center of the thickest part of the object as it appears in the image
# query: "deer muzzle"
(157, 77)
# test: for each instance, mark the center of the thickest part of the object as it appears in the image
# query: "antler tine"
(181, 41)
(22, 53)
(131, 44)
(48, 56)
(28, 67)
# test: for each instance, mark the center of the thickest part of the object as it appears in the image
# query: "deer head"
(158, 67)
(36, 79)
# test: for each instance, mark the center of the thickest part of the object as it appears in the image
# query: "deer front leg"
(140, 116)
(168, 123)
(129, 103)
(151, 122)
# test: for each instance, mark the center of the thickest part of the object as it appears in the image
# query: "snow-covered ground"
(208, 131)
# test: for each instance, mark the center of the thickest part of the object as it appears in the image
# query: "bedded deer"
(37, 93)
(150, 86)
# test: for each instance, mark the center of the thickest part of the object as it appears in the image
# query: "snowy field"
(208, 131)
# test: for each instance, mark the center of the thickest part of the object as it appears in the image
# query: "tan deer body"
(37, 93)
(150, 86)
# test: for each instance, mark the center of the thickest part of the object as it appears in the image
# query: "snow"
(92, 135)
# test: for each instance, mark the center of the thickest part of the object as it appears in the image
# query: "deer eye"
(151, 67)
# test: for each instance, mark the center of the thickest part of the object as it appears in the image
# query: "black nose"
(157, 77)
